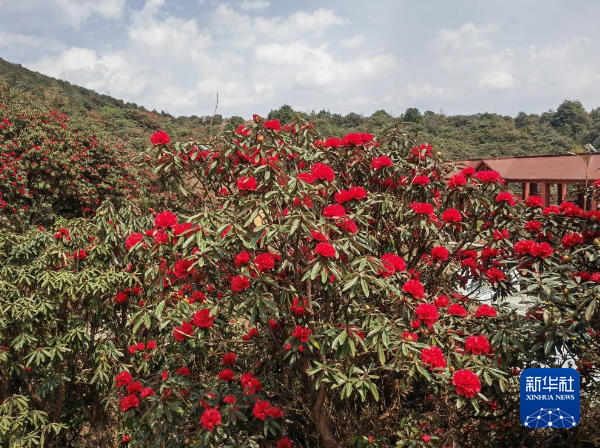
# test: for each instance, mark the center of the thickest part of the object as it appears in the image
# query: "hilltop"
(458, 136)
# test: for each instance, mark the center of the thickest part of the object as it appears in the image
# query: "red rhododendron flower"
(229, 359)
(301, 333)
(354, 138)
(505, 197)
(305, 177)
(457, 181)
(180, 333)
(392, 263)
(421, 208)
(451, 215)
(410, 336)
(325, 250)
(239, 283)
(203, 319)
(134, 387)
(428, 313)
(183, 371)
(494, 275)
(247, 184)
(486, 310)
(165, 219)
(242, 259)
(477, 345)
(534, 201)
(121, 297)
(489, 176)
(380, 162)
(265, 262)
(132, 240)
(439, 253)
(182, 268)
(123, 379)
(210, 419)
(542, 250)
(128, 402)
(230, 399)
(466, 383)
(320, 171)
(414, 288)
(421, 180)
(457, 310)
(226, 375)
(148, 392)
(433, 357)
(318, 236)
(333, 142)
(284, 442)
(356, 193)
(572, 239)
(160, 138)
(275, 125)
(348, 225)
(250, 384)
(441, 301)
(334, 211)
(260, 409)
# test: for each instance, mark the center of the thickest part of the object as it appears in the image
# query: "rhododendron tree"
(298, 290)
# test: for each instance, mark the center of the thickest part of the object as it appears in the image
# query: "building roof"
(570, 168)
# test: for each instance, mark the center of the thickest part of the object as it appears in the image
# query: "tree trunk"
(322, 420)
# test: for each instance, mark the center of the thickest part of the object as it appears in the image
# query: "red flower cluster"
(247, 184)
(433, 357)
(274, 125)
(477, 345)
(301, 333)
(239, 283)
(391, 264)
(381, 162)
(160, 138)
(210, 419)
(203, 319)
(451, 216)
(466, 383)
(263, 409)
(165, 219)
(325, 250)
(414, 288)
(421, 208)
(320, 171)
(427, 313)
(534, 249)
(505, 197)
(440, 253)
(186, 330)
(486, 310)
(356, 193)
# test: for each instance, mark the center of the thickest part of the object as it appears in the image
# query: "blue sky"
(344, 55)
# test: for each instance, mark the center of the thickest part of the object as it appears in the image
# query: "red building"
(537, 174)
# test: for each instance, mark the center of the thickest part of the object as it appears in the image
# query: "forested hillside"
(567, 128)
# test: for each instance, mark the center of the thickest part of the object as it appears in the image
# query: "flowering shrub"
(50, 167)
(301, 291)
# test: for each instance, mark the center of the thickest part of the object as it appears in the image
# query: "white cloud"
(77, 12)
(253, 61)
(496, 81)
(254, 5)
(354, 41)
(468, 37)
(27, 42)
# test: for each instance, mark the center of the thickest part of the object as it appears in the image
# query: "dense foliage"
(291, 290)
